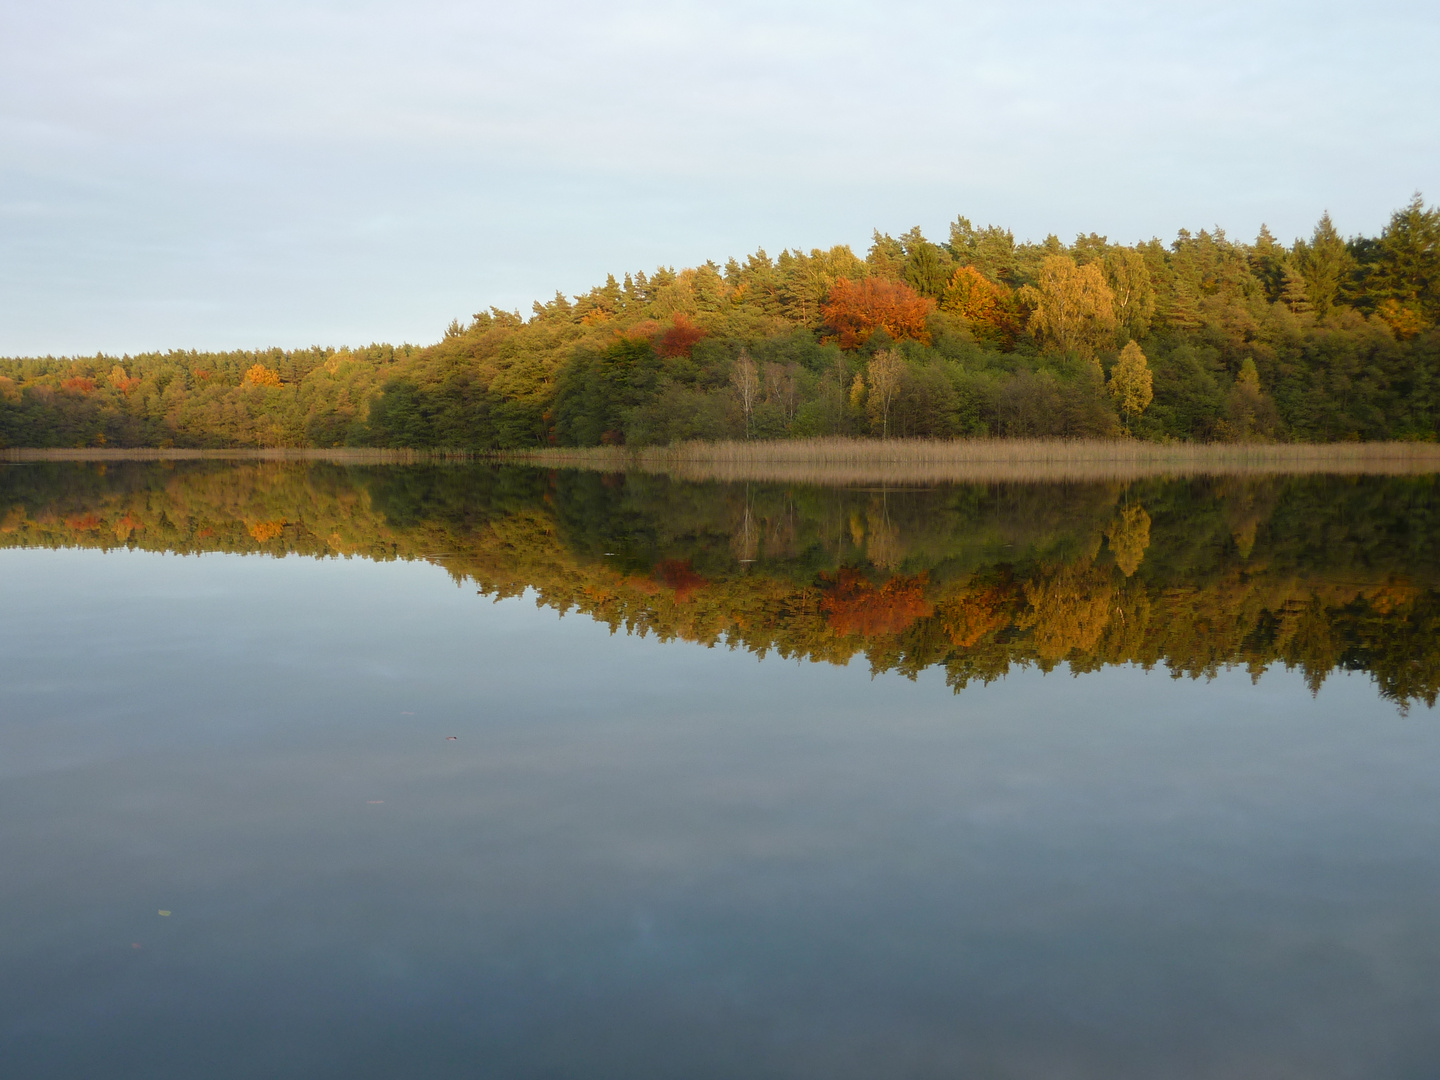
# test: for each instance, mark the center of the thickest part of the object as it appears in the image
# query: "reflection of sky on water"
(645, 859)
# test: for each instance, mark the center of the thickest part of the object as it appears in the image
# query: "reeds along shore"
(924, 461)
(867, 461)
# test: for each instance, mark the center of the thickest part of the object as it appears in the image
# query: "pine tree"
(1326, 264)
(1406, 267)
(1267, 263)
(1294, 294)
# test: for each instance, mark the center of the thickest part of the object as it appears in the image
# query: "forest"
(1316, 573)
(1202, 339)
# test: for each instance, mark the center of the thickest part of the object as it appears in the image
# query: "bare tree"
(746, 381)
(782, 387)
(885, 369)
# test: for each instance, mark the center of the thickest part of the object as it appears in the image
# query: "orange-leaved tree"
(989, 307)
(854, 606)
(856, 309)
(679, 337)
(971, 295)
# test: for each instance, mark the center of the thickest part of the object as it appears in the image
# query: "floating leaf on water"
(165, 913)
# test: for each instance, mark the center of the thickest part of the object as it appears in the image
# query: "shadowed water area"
(1020, 780)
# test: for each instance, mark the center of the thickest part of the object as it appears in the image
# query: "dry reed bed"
(873, 461)
(840, 461)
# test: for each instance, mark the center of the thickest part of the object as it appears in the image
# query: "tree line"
(1204, 338)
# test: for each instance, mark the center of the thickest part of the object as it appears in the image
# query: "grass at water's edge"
(854, 461)
(860, 461)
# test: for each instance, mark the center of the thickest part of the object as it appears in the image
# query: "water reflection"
(401, 832)
(1318, 573)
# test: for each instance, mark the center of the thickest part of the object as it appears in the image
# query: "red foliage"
(679, 338)
(678, 575)
(854, 606)
(78, 384)
(856, 309)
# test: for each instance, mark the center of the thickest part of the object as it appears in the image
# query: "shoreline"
(850, 461)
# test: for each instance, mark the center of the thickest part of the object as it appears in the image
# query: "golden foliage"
(1074, 307)
(973, 296)
(1068, 611)
(1129, 536)
(121, 381)
(260, 375)
(263, 531)
(1131, 384)
(1406, 322)
(972, 616)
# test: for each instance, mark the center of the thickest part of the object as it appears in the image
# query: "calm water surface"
(561, 775)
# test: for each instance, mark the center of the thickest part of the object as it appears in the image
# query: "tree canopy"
(1325, 339)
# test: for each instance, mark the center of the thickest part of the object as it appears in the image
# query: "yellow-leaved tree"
(1129, 536)
(1134, 292)
(1130, 382)
(1073, 308)
(260, 375)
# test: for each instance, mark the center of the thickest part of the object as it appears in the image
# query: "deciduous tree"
(856, 309)
(1074, 309)
(885, 369)
(1131, 383)
(746, 380)
(260, 375)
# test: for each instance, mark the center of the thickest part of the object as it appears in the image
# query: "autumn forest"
(1201, 339)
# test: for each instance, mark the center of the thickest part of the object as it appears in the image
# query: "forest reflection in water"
(1319, 573)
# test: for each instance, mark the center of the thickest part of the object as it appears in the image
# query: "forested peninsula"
(1203, 339)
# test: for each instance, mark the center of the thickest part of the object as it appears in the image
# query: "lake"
(316, 770)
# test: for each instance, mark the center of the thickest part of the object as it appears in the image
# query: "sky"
(317, 172)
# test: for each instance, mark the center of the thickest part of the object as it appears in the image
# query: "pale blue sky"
(210, 175)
